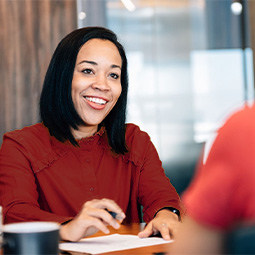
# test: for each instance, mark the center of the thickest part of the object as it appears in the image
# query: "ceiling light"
(82, 15)
(236, 8)
(129, 5)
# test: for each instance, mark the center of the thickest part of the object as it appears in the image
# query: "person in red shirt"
(221, 196)
(82, 158)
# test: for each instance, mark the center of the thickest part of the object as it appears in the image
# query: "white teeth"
(96, 100)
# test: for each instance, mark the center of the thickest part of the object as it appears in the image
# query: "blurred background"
(190, 65)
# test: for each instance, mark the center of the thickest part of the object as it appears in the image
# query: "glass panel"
(190, 66)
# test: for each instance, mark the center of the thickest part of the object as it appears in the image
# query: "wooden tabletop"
(133, 229)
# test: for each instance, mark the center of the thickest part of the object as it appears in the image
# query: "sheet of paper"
(108, 243)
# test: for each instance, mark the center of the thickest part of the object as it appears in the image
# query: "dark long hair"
(57, 110)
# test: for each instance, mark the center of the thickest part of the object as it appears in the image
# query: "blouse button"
(91, 189)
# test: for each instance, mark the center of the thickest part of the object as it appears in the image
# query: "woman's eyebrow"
(87, 61)
(95, 64)
(115, 66)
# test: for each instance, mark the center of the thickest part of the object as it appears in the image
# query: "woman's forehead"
(99, 49)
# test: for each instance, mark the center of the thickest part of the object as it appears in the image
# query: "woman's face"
(96, 84)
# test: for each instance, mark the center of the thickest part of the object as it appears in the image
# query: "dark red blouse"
(44, 179)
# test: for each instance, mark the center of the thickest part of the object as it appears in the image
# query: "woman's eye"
(87, 71)
(114, 76)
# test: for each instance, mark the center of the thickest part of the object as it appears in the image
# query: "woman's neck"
(84, 131)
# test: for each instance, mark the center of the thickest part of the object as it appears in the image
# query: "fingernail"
(167, 237)
(119, 218)
(116, 225)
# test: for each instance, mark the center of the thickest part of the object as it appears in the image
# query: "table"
(132, 229)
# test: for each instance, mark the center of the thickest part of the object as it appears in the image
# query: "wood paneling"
(30, 31)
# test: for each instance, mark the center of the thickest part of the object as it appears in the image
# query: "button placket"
(89, 173)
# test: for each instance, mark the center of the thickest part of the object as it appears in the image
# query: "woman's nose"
(101, 83)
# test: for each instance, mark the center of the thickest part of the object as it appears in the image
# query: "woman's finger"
(148, 231)
(107, 204)
(164, 231)
(100, 214)
(97, 223)
(81, 227)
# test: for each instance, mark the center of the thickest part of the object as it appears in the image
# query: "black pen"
(113, 214)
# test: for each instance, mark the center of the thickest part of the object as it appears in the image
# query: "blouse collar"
(63, 147)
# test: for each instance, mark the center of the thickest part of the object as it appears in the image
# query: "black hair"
(57, 110)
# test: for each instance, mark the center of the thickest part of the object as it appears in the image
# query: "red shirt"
(44, 179)
(223, 191)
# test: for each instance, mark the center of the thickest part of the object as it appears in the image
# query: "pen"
(113, 214)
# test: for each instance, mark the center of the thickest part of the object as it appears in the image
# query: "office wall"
(30, 31)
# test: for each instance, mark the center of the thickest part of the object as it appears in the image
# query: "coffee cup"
(31, 238)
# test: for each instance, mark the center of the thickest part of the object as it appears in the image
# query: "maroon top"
(44, 179)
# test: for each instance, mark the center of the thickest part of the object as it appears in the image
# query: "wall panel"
(31, 29)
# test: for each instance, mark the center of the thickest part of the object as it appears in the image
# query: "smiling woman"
(96, 84)
(71, 55)
(83, 160)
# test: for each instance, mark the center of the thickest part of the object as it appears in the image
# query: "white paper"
(108, 243)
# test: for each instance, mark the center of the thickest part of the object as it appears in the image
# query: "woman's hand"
(92, 218)
(165, 223)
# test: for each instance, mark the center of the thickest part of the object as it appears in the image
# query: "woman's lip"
(105, 99)
(95, 106)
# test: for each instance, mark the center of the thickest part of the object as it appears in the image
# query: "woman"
(82, 158)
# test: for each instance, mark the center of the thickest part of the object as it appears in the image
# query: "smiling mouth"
(96, 100)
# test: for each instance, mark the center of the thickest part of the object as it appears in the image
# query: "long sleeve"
(154, 189)
(18, 187)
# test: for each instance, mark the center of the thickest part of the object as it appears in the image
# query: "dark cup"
(35, 238)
